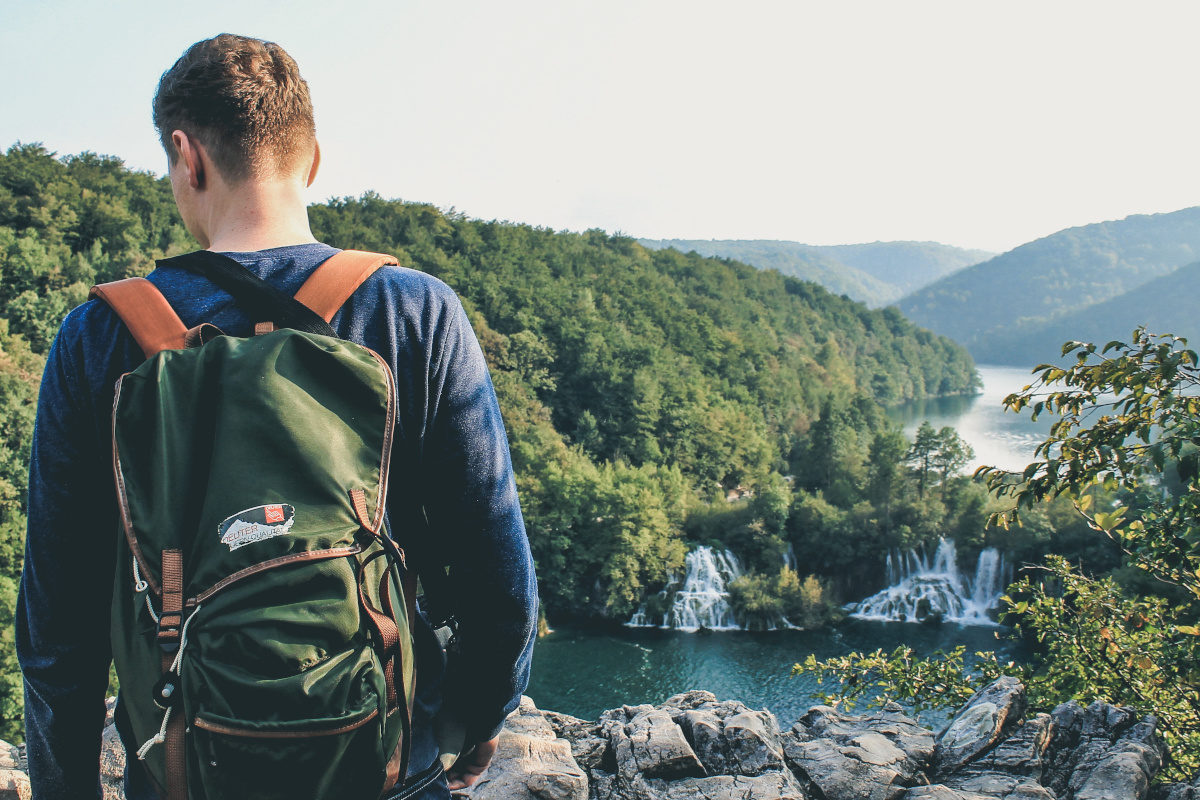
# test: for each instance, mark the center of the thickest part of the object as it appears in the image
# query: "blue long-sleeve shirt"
(450, 457)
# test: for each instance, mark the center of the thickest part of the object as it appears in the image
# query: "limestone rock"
(694, 747)
(901, 730)
(753, 741)
(980, 724)
(1023, 753)
(588, 744)
(842, 776)
(767, 786)
(531, 762)
(1101, 752)
(647, 742)
(987, 786)
(1180, 791)
(728, 737)
(873, 756)
(112, 758)
(14, 785)
(10, 757)
(531, 767)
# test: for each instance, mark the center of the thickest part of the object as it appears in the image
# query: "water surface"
(582, 673)
(999, 437)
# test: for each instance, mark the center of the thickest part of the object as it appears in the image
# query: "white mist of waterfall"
(789, 558)
(920, 590)
(702, 599)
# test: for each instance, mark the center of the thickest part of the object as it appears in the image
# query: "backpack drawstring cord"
(140, 586)
(161, 736)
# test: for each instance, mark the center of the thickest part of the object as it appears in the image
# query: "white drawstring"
(161, 736)
(140, 586)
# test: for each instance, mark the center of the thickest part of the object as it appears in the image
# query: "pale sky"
(975, 124)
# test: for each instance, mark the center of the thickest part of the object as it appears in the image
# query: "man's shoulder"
(413, 283)
(410, 292)
(87, 321)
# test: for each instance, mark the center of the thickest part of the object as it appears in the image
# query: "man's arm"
(475, 520)
(62, 618)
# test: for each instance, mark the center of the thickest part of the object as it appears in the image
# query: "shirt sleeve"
(63, 606)
(475, 518)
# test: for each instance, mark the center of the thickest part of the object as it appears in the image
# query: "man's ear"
(191, 154)
(312, 172)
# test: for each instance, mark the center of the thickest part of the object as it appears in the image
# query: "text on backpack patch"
(255, 524)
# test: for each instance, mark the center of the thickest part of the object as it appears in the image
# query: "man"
(236, 120)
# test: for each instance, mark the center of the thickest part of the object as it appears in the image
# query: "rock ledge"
(696, 747)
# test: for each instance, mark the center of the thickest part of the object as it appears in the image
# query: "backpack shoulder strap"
(335, 280)
(140, 305)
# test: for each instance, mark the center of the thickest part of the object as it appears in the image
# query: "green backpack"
(261, 613)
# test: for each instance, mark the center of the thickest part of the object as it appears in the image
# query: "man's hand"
(471, 764)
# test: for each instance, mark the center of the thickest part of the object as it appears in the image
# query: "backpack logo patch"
(256, 524)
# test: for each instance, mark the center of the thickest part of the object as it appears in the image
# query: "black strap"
(257, 297)
(416, 782)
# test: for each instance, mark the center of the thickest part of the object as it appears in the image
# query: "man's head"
(244, 102)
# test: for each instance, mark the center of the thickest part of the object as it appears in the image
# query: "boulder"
(646, 741)
(112, 758)
(873, 756)
(981, 723)
(767, 786)
(531, 762)
(1180, 791)
(14, 780)
(728, 737)
(1101, 752)
(588, 744)
(1023, 752)
(14, 785)
(990, 786)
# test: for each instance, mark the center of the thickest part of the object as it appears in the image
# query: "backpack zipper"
(253, 733)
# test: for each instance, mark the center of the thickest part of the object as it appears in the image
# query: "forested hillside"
(639, 387)
(990, 305)
(876, 274)
(1168, 303)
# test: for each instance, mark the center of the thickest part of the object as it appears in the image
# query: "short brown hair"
(243, 99)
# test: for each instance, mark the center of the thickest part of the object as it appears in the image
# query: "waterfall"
(701, 600)
(919, 590)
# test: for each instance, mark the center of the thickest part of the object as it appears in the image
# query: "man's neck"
(257, 216)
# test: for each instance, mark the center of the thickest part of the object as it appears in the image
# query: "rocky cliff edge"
(695, 747)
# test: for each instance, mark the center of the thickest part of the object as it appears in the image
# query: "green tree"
(923, 452)
(953, 453)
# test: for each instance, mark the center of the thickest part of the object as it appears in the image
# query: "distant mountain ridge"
(877, 273)
(1164, 305)
(1012, 308)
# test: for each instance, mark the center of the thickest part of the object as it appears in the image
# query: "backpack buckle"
(170, 629)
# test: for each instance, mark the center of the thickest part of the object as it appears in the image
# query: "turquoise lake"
(585, 672)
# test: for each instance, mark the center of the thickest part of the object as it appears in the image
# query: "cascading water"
(702, 600)
(919, 590)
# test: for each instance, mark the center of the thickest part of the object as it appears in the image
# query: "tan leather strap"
(176, 756)
(170, 627)
(154, 324)
(170, 621)
(387, 633)
(331, 285)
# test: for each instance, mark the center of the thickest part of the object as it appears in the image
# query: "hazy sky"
(975, 124)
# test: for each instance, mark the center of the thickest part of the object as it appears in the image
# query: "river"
(582, 672)
(999, 437)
